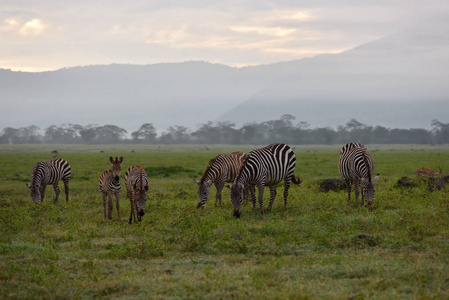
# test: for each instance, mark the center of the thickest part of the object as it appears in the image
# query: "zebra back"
(271, 164)
(137, 185)
(355, 162)
(222, 168)
(265, 167)
(51, 171)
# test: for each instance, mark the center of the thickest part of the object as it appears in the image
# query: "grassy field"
(319, 247)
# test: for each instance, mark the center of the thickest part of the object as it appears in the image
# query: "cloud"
(227, 32)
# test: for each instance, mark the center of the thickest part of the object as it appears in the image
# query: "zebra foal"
(222, 169)
(266, 166)
(356, 165)
(49, 172)
(136, 182)
(110, 186)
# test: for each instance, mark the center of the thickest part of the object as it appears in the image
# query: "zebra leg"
(252, 190)
(286, 188)
(105, 204)
(110, 206)
(117, 205)
(357, 190)
(348, 184)
(219, 187)
(132, 206)
(261, 188)
(42, 189)
(66, 190)
(272, 196)
(57, 192)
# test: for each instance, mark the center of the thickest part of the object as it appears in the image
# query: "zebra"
(49, 172)
(110, 186)
(266, 166)
(136, 182)
(222, 169)
(356, 165)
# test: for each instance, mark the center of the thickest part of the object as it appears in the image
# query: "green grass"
(320, 246)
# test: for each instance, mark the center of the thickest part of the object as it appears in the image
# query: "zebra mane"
(211, 163)
(368, 167)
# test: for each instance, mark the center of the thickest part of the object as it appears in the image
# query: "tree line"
(282, 130)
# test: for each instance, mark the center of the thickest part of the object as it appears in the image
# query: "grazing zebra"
(110, 186)
(136, 182)
(356, 165)
(222, 169)
(49, 172)
(266, 166)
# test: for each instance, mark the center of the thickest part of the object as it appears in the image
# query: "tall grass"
(319, 246)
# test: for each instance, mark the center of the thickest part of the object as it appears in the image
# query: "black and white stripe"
(136, 182)
(356, 165)
(222, 169)
(266, 166)
(49, 172)
(110, 186)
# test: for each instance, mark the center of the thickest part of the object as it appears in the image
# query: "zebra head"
(140, 196)
(237, 190)
(116, 167)
(35, 191)
(203, 191)
(368, 189)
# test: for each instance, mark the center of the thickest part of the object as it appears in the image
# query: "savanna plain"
(318, 247)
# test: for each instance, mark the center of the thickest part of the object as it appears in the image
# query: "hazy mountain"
(398, 81)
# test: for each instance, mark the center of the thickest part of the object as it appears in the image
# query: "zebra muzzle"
(236, 214)
(141, 212)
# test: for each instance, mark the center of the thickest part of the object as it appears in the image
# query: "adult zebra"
(356, 165)
(136, 182)
(110, 186)
(266, 166)
(222, 169)
(49, 172)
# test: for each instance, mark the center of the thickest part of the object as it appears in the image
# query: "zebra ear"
(196, 181)
(111, 160)
(376, 178)
(121, 159)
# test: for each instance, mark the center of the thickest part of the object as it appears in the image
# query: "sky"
(45, 35)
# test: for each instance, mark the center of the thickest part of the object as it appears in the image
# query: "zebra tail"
(296, 180)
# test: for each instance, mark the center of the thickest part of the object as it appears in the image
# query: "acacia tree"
(441, 132)
(145, 134)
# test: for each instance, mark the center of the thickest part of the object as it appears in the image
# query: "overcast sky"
(52, 34)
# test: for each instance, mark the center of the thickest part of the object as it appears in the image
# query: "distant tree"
(145, 134)
(207, 134)
(175, 135)
(353, 124)
(228, 134)
(64, 134)
(109, 134)
(88, 134)
(440, 131)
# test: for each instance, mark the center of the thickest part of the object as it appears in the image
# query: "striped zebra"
(266, 166)
(356, 165)
(110, 186)
(49, 172)
(222, 169)
(136, 182)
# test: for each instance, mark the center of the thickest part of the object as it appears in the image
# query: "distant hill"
(399, 81)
